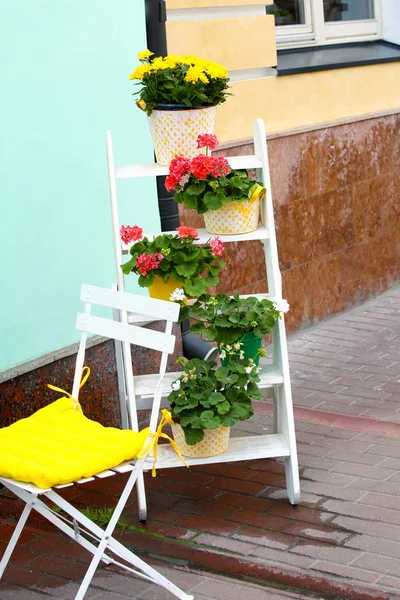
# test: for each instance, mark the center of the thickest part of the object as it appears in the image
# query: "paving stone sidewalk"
(342, 541)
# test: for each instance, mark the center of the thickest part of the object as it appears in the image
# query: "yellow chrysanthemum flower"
(158, 64)
(170, 62)
(194, 74)
(144, 54)
(216, 71)
(139, 72)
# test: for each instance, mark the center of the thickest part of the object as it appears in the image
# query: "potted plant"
(180, 95)
(207, 400)
(229, 199)
(236, 324)
(169, 262)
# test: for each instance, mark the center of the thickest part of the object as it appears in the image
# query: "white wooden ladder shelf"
(281, 443)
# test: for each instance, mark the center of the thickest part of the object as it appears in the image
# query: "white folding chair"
(99, 542)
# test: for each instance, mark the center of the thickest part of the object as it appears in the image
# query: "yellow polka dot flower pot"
(175, 132)
(162, 290)
(215, 442)
(235, 217)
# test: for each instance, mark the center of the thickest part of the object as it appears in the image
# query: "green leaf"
(228, 335)
(190, 201)
(186, 269)
(238, 412)
(225, 376)
(254, 391)
(216, 398)
(179, 197)
(202, 330)
(214, 201)
(193, 436)
(148, 280)
(191, 419)
(209, 420)
(162, 241)
(195, 189)
(195, 287)
(223, 407)
(127, 267)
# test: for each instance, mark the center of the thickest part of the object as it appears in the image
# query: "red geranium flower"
(146, 262)
(131, 234)
(207, 140)
(185, 232)
(201, 166)
(217, 246)
(221, 166)
(170, 183)
(178, 167)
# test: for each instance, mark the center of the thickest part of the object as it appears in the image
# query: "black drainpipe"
(156, 16)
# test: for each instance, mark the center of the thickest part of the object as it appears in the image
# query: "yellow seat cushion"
(58, 444)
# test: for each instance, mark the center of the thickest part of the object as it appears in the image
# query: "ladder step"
(240, 448)
(145, 385)
(260, 234)
(153, 170)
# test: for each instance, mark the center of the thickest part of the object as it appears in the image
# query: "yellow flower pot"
(235, 217)
(215, 442)
(175, 131)
(163, 289)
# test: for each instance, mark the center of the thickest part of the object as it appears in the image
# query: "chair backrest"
(123, 303)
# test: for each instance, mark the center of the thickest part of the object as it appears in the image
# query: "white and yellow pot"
(215, 442)
(235, 217)
(174, 130)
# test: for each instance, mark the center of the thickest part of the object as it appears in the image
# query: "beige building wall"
(212, 29)
(301, 101)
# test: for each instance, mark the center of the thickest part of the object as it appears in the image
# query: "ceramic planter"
(234, 217)
(163, 289)
(175, 131)
(250, 346)
(215, 442)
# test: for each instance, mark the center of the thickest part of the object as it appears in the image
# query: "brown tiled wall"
(23, 395)
(336, 195)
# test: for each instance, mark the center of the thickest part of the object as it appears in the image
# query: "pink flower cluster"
(131, 234)
(207, 140)
(200, 166)
(186, 232)
(146, 262)
(217, 246)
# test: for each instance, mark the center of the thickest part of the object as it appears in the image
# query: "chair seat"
(58, 445)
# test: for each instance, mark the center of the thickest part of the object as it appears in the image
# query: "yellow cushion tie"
(153, 443)
(84, 378)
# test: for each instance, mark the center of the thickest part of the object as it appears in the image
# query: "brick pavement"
(342, 541)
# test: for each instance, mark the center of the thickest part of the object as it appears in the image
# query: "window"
(318, 22)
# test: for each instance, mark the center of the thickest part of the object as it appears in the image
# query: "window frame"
(316, 32)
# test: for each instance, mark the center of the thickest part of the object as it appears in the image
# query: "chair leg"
(14, 538)
(141, 496)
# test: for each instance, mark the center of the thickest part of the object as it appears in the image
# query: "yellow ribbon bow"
(84, 378)
(153, 443)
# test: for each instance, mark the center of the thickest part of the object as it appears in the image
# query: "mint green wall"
(65, 67)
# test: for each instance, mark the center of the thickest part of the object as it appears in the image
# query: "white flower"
(241, 354)
(282, 305)
(237, 345)
(176, 385)
(248, 369)
(177, 295)
(222, 354)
